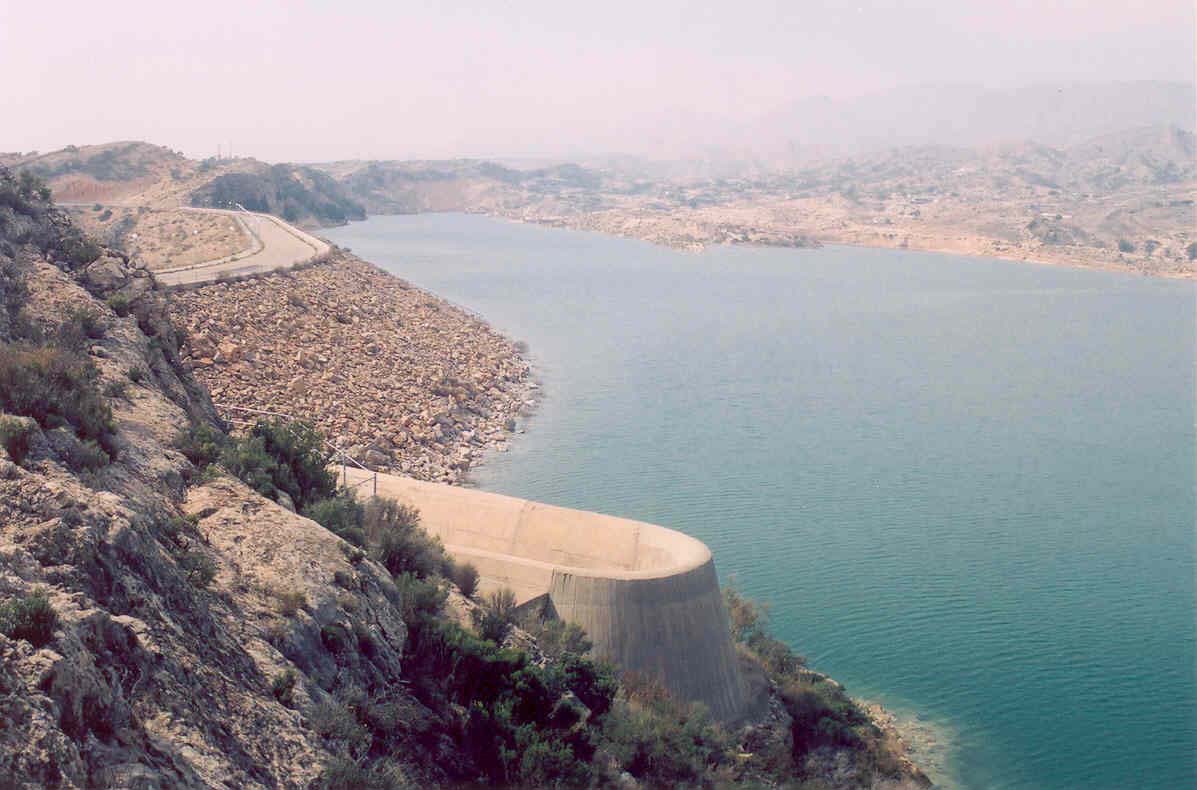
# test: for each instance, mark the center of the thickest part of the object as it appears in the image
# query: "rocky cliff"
(143, 633)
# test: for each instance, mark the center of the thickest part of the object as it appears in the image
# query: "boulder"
(106, 274)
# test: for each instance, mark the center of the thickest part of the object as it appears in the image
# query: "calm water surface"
(966, 486)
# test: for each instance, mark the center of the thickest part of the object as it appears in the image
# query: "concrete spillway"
(646, 596)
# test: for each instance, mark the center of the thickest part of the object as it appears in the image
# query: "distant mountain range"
(1057, 114)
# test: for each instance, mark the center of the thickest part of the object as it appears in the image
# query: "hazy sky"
(328, 79)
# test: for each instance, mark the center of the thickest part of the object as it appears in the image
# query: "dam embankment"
(647, 596)
(404, 381)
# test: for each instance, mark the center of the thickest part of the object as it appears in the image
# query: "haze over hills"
(1121, 200)
(1056, 114)
(1099, 174)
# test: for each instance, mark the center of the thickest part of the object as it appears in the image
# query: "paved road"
(276, 245)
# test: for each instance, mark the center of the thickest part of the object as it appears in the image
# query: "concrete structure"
(646, 596)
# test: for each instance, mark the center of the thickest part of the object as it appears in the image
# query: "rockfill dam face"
(647, 596)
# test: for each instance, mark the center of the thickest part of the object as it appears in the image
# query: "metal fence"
(245, 417)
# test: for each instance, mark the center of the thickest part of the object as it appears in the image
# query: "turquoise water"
(966, 486)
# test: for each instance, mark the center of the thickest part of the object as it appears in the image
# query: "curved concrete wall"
(647, 596)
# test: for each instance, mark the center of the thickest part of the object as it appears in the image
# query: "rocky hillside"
(297, 194)
(140, 617)
(1120, 201)
(139, 174)
(458, 185)
(112, 171)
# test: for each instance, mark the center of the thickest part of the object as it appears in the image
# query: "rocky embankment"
(402, 380)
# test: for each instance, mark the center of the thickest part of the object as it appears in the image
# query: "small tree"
(465, 576)
(498, 613)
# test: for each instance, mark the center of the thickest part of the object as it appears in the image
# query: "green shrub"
(290, 602)
(201, 444)
(1191, 251)
(199, 568)
(301, 468)
(30, 617)
(284, 457)
(80, 326)
(121, 304)
(248, 460)
(135, 373)
(174, 527)
(748, 620)
(421, 600)
(341, 773)
(658, 739)
(283, 687)
(335, 722)
(822, 714)
(558, 638)
(465, 576)
(78, 248)
(1125, 245)
(56, 388)
(399, 543)
(87, 455)
(15, 435)
(341, 515)
(496, 615)
(116, 389)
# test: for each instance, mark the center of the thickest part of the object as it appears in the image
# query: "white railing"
(344, 459)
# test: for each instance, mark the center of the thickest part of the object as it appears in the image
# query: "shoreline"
(815, 241)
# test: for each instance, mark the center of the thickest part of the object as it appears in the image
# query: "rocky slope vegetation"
(141, 632)
(297, 194)
(398, 378)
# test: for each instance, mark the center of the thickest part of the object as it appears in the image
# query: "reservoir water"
(965, 486)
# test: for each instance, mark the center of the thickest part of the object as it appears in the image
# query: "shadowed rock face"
(647, 596)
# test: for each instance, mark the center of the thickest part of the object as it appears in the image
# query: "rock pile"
(402, 380)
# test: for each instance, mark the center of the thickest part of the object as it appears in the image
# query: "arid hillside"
(1122, 201)
(135, 174)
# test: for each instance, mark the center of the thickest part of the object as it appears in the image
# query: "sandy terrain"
(165, 238)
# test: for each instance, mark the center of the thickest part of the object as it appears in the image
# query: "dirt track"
(277, 245)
